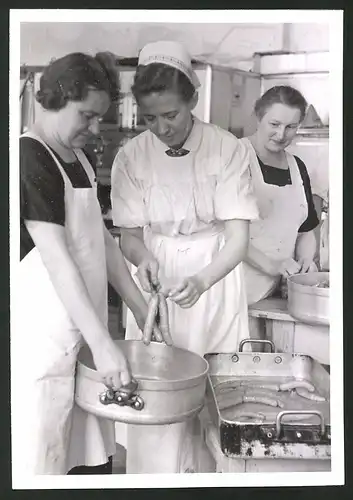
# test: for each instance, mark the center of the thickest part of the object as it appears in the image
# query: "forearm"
(228, 258)
(261, 261)
(305, 246)
(133, 247)
(120, 278)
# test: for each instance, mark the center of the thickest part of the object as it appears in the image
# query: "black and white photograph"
(176, 248)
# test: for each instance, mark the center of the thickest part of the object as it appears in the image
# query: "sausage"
(309, 395)
(271, 387)
(294, 384)
(250, 415)
(229, 402)
(262, 393)
(151, 315)
(156, 335)
(164, 319)
(262, 400)
(229, 385)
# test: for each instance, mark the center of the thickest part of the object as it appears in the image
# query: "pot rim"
(148, 384)
(308, 289)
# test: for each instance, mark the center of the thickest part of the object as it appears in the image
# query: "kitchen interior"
(235, 64)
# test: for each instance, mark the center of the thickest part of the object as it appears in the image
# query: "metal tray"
(300, 428)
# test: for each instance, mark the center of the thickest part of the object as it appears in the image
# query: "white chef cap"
(172, 54)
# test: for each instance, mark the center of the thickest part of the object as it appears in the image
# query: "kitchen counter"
(270, 319)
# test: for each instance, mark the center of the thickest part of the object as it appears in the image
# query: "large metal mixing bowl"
(171, 385)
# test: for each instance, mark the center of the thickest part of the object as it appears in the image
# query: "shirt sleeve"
(128, 209)
(312, 220)
(234, 197)
(41, 184)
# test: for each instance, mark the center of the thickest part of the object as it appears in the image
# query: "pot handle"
(256, 341)
(298, 412)
(124, 396)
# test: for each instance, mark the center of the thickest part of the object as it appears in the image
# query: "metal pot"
(307, 302)
(169, 385)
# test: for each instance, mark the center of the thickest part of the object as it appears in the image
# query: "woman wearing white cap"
(181, 195)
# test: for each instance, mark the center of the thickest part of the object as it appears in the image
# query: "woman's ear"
(194, 100)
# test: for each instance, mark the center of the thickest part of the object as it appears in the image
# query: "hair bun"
(50, 98)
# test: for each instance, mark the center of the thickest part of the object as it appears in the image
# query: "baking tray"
(299, 428)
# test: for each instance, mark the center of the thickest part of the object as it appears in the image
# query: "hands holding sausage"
(187, 292)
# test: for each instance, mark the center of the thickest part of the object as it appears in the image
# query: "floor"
(119, 460)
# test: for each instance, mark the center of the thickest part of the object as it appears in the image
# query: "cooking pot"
(306, 301)
(168, 385)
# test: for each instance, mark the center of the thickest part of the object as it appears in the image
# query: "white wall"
(308, 37)
(222, 44)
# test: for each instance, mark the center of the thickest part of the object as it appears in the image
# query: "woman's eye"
(274, 124)
(172, 117)
(149, 118)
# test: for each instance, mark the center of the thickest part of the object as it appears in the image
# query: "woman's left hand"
(187, 293)
(307, 266)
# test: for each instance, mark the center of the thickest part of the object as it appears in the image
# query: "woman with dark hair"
(67, 258)
(282, 241)
(181, 194)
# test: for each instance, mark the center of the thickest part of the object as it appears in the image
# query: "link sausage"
(294, 384)
(151, 315)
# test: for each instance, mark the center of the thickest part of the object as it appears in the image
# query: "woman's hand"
(147, 273)
(188, 292)
(289, 267)
(307, 266)
(111, 364)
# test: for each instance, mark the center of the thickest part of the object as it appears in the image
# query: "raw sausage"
(164, 319)
(262, 400)
(156, 335)
(229, 402)
(151, 316)
(228, 385)
(309, 395)
(271, 387)
(294, 384)
(249, 414)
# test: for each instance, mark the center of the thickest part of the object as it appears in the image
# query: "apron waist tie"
(199, 235)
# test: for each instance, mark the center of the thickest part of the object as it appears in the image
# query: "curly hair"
(72, 76)
(159, 77)
(281, 94)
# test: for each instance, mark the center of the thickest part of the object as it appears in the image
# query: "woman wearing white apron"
(59, 288)
(181, 193)
(282, 241)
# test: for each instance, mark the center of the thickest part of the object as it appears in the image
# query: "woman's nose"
(281, 132)
(94, 126)
(162, 127)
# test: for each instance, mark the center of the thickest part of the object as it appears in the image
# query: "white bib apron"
(216, 323)
(51, 434)
(283, 209)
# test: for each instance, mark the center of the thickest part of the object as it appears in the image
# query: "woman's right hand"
(147, 273)
(289, 267)
(111, 364)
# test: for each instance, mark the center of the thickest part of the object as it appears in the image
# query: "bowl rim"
(292, 283)
(148, 384)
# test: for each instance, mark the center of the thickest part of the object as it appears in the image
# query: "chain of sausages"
(160, 332)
